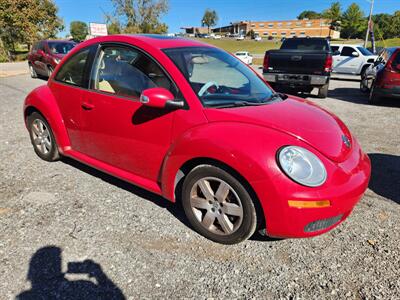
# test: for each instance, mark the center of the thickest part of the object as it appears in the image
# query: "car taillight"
(328, 63)
(266, 61)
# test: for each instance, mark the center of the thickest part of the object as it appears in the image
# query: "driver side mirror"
(159, 98)
(355, 54)
(336, 53)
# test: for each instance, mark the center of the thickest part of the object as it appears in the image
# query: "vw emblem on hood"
(346, 141)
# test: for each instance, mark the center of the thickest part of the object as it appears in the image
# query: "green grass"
(251, 46)
(388, 43)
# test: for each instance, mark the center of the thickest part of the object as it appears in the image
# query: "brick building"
(312, 28)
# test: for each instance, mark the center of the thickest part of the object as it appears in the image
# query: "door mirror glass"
(355, 54)
(335, 53)
(159, 98)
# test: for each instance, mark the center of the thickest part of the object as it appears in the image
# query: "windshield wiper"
(277, 96)
(235, 104)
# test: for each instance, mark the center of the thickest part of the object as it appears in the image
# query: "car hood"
(297, 117)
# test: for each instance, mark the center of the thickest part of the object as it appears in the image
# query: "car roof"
(154, 40)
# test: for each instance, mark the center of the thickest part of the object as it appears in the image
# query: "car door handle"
(87, 106)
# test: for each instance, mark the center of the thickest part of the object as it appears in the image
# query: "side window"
(72, 71)
(347, 51)
(334, 48)
(127, 72)
(396, 60)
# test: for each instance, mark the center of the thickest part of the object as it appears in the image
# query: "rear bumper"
(293, 80)
(283, 220)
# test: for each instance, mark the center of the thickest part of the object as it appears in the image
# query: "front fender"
(249, 149)
(42, 100)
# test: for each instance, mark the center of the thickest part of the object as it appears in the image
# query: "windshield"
(218, 78)
(61, 47)
(364, 51)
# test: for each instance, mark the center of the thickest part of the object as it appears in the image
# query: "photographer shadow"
(49, 282)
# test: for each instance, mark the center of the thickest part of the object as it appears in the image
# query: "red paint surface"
(147, 146)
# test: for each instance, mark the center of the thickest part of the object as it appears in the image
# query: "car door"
(117, 129)
(348, 63)
(68, 88)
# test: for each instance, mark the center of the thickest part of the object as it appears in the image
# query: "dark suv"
(45, 56)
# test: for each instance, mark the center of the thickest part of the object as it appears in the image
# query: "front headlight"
(302, 166)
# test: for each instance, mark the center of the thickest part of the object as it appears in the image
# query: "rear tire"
(32, 71)
(373, 98)
(218, 206)
(364, 85)
(323, 91)
(42, 137)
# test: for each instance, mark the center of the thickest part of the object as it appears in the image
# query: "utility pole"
(369, 22)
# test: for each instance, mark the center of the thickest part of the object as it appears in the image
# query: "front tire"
(42, 137)
(218, 206)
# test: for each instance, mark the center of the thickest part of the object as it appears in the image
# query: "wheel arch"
(42, 101)
(192, 163)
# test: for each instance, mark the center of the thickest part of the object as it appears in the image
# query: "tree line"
(27, 21)
(353, 23)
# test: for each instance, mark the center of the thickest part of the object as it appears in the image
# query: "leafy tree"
(114, 27)
(210, 18)
(139, 16)
(78, 30)
(309, 14)
(333, 13)
(25, 21)
(383, 25)
(354, 22)
(395, 24)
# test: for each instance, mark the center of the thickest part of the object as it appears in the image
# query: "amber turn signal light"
(309, 204)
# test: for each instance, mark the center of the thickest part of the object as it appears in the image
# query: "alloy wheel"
(41, 136)
(216, 205)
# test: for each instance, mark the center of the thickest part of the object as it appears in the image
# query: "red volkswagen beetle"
(192, 123)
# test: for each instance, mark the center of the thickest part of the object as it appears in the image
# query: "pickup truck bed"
(301, 69)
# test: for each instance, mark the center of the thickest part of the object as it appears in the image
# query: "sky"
(189, 13)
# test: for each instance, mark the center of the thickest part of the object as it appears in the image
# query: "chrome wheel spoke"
(225, 223)
(35, 129)
(47, 143)
(232, 209)
(200, 203)
(43, 148)
(206, 189)
(222, 192)
(216, 205)
(37, 141)
(208, 220)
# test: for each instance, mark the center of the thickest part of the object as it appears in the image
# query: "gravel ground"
(137, 245)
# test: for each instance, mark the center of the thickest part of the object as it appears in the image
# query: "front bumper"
(344, 189)
(296, 79)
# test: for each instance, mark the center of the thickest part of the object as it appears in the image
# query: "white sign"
(98, 29)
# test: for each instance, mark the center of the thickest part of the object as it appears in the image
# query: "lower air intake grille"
(322, 224)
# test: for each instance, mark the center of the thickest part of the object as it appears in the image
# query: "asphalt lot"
(140, 246)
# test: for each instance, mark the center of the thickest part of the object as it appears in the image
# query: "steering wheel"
(206, 87)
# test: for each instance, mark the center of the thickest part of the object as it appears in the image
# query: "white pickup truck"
(351, 59)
